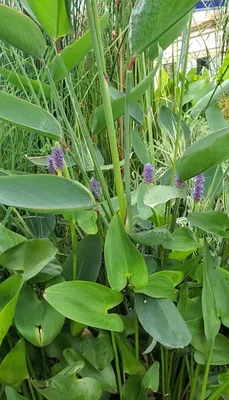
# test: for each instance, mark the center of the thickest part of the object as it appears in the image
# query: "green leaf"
(51, 270)
(162, 285)
(183, 239)
(168, 121)
(21, 82)
(220, 354)
(41, 225)
(106, 377)
(44, 193)
(150, 19)
(89, 258)
(98, 120)
(162, 320)
(86, 219)
(212, 222)
(9, 291)
(98, 351)
(13, 368)
(29, 258)
(151, 378)
(87, 303)
(20, 31)
(11, 394)
(154, 237)
(36, 320)
(74, 53)
(65, 385)
(52, 16)
(144, 211)
(208, 152)
(120, 251)
(130, 364)
(9, 239)
(27, 116)
(131, 387)
(161, 194)
(215, 118)
(140, 148)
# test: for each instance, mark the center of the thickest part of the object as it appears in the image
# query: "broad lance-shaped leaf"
(162, 320)
(52, 16)
(208, 152)
(98, 120)
(24, 82)
(75, 52)
(162, 285)
(121, 255)
(9, 291)
(87, 303)
(20, 31)
(161, 194)
(13, 368)
(212, 222)
(150, 19)
(27, 116)
(44, 193)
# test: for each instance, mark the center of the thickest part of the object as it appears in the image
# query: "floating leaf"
(120, 251)
(87, 303)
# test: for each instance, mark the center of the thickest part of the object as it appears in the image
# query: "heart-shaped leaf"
(162, 285)
(87, 303)
(29, 258)
(36, 320)
(13, 368)
(162, 320)
(28, 116)
(44, 193)
(21, 32)
(120, 251)
(9, 291)
(98, 350)
(183, 239)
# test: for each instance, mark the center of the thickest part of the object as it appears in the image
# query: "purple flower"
(178, 183)
(58, 157)
(198, 189)
(95, 188)
(148, 173)
(51, 165)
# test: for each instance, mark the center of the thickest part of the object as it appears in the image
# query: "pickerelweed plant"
(112, 286)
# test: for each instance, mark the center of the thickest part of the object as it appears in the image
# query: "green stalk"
(93, 18)
(194, 382)
(206, 372)
(221, 390)
(178, 133)
(74, 249)
(117, 366)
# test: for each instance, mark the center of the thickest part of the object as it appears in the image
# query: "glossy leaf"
(65, 385)
(87, 303)
(29, 258)
(9, 291)
(105, 377)
(98, 120)
(183, 239)
(9, 239)
(213, 222)
(36, 320)
(89, 258)
(11, 394)
(75, 52)
(151, 379)
(209, 151)
(161, 194)
(20, 31)
(154, 237)
(13, 368)
(120, 252)
(44, 193)
(150, 19)
(162, 285)
(130, 364)
(162, 320)
(21, 82)
(28, 116)
(52, 16)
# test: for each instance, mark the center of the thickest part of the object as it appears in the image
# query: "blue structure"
(210, 4)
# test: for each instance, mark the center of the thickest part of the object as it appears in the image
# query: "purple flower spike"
(95, 188)
(51, 165)
(58, 157)
(198, 190)
(178, 183)
(148, 173)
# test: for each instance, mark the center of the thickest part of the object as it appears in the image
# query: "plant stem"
(93, 21)
(74, 248)
(194, 382)
(136, 329)
(221, 390)
(205, 380)
(117, 366)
